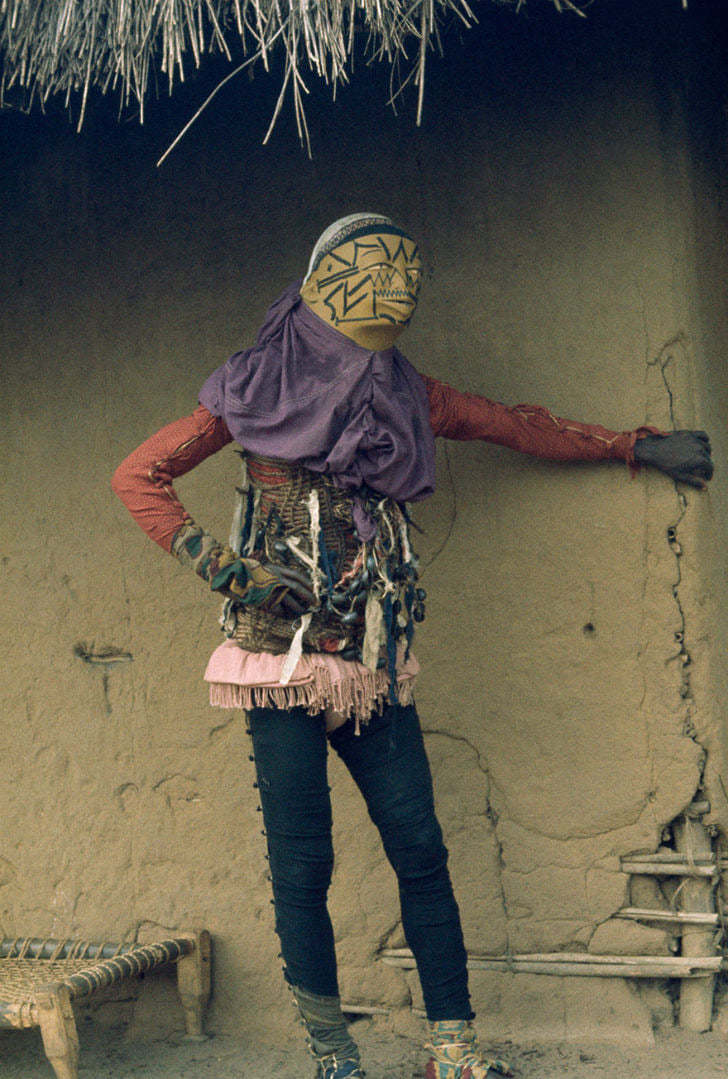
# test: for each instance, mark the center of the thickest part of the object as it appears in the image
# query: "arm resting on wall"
(526, 428)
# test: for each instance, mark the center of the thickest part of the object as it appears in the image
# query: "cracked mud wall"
(573, 655)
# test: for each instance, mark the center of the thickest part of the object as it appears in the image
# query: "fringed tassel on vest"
(355, 697)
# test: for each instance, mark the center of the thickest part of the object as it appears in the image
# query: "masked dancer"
(336, 431)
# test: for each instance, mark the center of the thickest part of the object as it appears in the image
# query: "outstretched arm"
(685, 455)
(144, 483)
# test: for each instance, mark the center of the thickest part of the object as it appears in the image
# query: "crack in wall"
(386, 935)
(662, 361)
(491, 815)
(453, 513)
(578, 837)
(106, 657)
(664, 358)
(222, 726)
(682, 655)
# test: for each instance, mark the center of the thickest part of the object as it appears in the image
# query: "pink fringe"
(356, 696)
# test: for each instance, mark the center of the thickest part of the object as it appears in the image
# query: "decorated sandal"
(331, 1067)
(457, 1055)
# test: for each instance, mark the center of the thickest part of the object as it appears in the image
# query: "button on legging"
(388, 764)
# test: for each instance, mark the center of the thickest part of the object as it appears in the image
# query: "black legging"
(389, 765)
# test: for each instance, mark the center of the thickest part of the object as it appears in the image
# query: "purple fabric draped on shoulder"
(307, 393)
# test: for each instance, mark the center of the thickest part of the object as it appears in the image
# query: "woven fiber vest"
(366, 594)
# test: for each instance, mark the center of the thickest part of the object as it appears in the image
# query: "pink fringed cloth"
(321, 682)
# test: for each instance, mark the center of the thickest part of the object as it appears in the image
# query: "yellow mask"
(367, 286)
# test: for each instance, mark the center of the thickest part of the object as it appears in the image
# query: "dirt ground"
(109, 1055)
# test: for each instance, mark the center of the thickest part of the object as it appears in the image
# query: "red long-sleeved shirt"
(144, 480)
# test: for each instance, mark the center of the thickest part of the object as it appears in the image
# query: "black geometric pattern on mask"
(343, 281)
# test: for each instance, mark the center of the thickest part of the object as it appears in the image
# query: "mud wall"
(573, 658)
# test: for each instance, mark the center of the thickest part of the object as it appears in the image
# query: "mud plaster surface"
(107, 1055)
(561, 268)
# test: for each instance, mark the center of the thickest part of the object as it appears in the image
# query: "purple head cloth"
(307, 393)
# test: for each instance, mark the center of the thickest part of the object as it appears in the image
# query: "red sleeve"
(143, 481)
(526, 428)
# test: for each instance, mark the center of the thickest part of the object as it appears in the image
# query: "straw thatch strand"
(68, 47)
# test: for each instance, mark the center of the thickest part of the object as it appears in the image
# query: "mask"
(367, 286)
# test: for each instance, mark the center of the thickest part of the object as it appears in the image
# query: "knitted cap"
(349, 228)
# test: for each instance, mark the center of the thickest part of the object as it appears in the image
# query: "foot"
(457, 1055)
(332, 1067)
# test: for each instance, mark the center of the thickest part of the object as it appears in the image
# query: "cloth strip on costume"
(326, 1026)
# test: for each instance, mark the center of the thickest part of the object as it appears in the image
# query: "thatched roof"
(68, 47)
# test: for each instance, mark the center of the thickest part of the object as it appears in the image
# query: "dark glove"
(298, 595)
(278, 588)
(684, 455)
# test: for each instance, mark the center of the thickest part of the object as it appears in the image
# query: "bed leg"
(58, 1030)
(193, 985)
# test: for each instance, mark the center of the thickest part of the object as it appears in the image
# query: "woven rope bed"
(40, 978)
